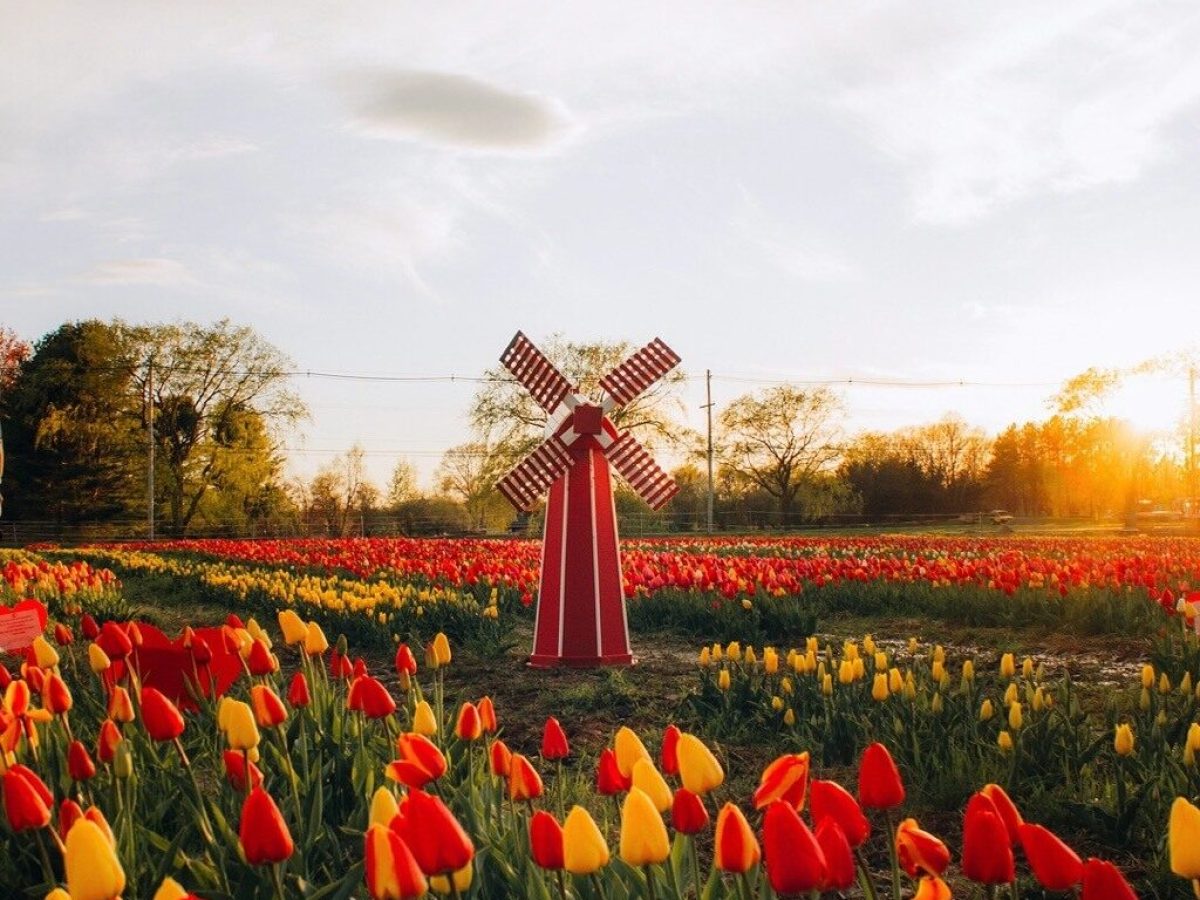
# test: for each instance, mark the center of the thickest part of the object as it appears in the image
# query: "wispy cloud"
(153, 272)
(455, 110)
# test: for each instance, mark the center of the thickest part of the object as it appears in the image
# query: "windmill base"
(547, 661)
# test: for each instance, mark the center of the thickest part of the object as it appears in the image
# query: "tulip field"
(353, 719)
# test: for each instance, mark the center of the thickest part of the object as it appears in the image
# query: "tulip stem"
(597, 884)
(864, 876)
(45, 854)
(650, 891)
(562, 884)
(894, 858)
(277, 878)
(696, 863)
(209, 835)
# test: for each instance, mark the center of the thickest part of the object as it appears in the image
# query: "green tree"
(781, 440)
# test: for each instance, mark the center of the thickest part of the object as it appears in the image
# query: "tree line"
(84, 408)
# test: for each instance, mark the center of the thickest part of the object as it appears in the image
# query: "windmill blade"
(641, 472)
(532, 477)
(539, 376)
(632, 377)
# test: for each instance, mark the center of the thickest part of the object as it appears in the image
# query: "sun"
(1150, 403)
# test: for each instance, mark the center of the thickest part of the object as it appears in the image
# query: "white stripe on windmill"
(581, 601)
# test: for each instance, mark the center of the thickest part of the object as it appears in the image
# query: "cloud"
(789, 248)
(453, 110)
(146, 271)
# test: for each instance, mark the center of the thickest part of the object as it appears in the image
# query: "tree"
(469, 473)
(76, 446)
(780, 440)
(13, 352)
(201, 381)
(340, 496)
(505, 416)
(402, 486)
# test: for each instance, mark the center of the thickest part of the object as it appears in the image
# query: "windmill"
(581, 602)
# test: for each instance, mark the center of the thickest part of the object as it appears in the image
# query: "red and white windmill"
(581, 602)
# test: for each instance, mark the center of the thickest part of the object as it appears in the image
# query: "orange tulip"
(784, 779)
(736, 849)
(269, 710)
(500, 758)
(919, 852)
(392, 872)
(420, 761)
(469, 726)
(524, 782)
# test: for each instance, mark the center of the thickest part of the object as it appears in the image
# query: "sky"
(995, 193)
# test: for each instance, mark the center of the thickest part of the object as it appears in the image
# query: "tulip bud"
(1015, 717)
(879, 691)
(44, 653)
(298, 695)
(546, 841)
(723, 679)
(735, 847)
(263, 834)
(986, 711)
(1147, 676)
(97, 659)
(241, 730)
(383, 807)
(91, 863)
(698, 768)
(424, 722)
(1008, 666)
(644, 838)
(1123, 740)
(123, 761)
(584, 849)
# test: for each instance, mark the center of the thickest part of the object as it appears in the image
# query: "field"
(1065, 670)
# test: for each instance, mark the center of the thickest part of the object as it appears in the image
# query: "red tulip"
(609, 780)
(688, 815)
(114, 641)
(500, 758)
(784, 779)
(406, 663)
(34, 676)
(107, 741)
(831, 800)
(162, 719)
(68, 814)
(1104, 881)
(879, 782)
(27, 800)
(56, 696)
(263, 834)
(668, 758)
(839, 857)
(90, 629)
(1007, 810)
(62, 635)
(554, 741)
(1055, 865)
(487, 715)
(269, 710)
(919, 852)
(795, 861)
(735, 848)
(201, 652)
(986, 854)
(435, 837)
(233, 620)
(79, 763)
(524, 782)
(546, 840)
(392, 872)
(360, 668)
(261, 661)
(235, 771)
(468, 726)
(297, 694)
(5, 678)
(420, 761)
(377, 703)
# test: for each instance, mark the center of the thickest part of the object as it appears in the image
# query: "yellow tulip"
(1015, 717)
(644, 839)
(869, 645)
(315, 642)
(827, 686)
(60, 894)
(584, 849)
(786, 686)
(170, 889)
(936, 706)
(858, 668)
(240, 728)
(699, 770)
(912, 645)
(723, 679)
(1185, 684)
(939, 654)
(93, 870)
(1147, 676)
(293, 627)
(383, 807)
(650, 782)
(749, 658)
(1005, 742)
(705, 657)
(440, 884)
(1123, 740)
(846, 672)
(629, 749)
(789, 717)
(770, 661)
(879, 690)
(717, 652)
(937, 672)
(881, 661)
(424, 722)
(1008, 666)
(968, 671)
(44, 653)
(986, 711)
(98, 659)
(895, 681)
(777, 703)
(1027, 668)
(1010, 694)
(1193, 736)
(1164, 684)
(1183, 839)
(1144, 700)
(441, 649)
(734, 651)
(1039, 699)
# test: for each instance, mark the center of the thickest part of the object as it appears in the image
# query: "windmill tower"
(581, 602)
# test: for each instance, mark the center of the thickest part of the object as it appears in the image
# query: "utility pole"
(150, 422)
(708, 406)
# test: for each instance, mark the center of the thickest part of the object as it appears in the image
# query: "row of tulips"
(433, 799)
(1161, 568)
(67, 587)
